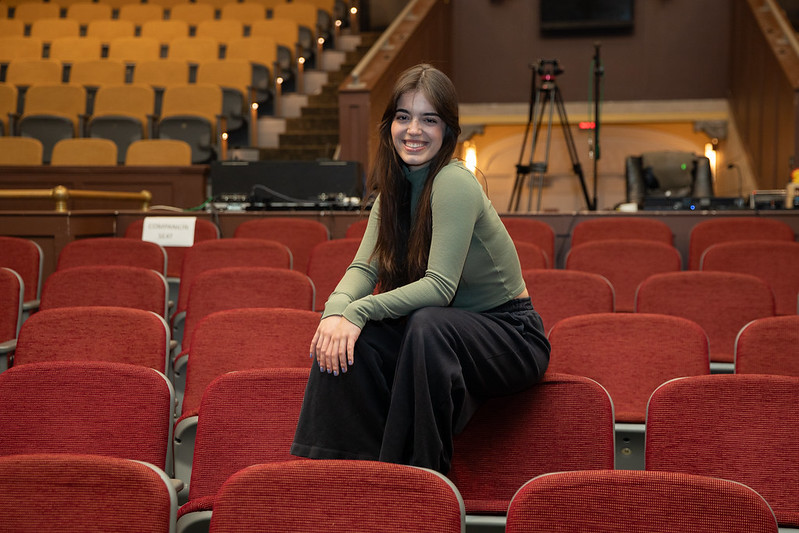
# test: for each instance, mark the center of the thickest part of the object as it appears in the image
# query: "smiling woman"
(417, 130)
(432, 316)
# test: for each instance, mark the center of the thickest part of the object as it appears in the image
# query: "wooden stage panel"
(52, 231)
(182, 187)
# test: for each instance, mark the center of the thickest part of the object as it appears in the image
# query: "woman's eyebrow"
(430, 114)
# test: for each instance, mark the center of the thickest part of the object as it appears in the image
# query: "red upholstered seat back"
(720, 302)
(246, 418)
(240, 287)
(630, 354)
(775, 262)
(83, 493)
(307, 496)
(11, 294)
(625, 263)
(562, 423)
(24, 257)
(299, 234)
(557, 294)
(356, 229)
(769, 346)
(600, 229)
(106, 285)
(109, 409)
(245, 339)
(221, 253)
(113, 251)
(736, 427)
(114, 334)
(633, 500)
(531, 256)
(535, 232)
(723, 229)
(326, 266)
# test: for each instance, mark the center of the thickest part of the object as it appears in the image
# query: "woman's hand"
(333, 344)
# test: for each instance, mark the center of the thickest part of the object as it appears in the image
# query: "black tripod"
(541, 96)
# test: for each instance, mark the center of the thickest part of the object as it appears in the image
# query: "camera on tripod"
(544, 97)
(548, 68)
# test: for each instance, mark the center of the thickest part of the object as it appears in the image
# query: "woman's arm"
(457, 202)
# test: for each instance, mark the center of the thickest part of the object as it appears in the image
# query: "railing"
(383, 43)
(61, 195)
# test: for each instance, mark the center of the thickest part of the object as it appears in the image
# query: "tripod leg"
(542, 98)
(567, 132)
(521, 172)
(518, 185)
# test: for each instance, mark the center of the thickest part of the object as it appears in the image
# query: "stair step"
(314, 134)
(320, 111)
(314, 123)
(325, 97)
(306, 138)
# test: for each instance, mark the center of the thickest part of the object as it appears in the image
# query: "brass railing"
(61, 195)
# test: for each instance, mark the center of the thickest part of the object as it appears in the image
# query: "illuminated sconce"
(711, 151)
(470, 155)
(353, 19)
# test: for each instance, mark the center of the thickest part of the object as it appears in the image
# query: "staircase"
(314, 133)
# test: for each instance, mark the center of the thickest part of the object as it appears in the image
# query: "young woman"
(402, 369)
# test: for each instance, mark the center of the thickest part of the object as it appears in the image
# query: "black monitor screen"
(586, 16)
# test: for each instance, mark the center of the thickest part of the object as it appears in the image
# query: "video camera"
(548, 68)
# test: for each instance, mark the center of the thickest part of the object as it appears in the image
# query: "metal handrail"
(61, 195)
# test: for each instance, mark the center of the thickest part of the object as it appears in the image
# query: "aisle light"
(353, 19)
(223, 147)
(254, 124)
(300, 75)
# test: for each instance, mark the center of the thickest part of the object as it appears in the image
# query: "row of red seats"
(306, 495)
(734, 299)
(719, 426)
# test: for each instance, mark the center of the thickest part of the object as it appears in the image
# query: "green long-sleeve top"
(472, 263)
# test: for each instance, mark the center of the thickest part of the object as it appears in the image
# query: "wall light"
(711, 150)
(470, 155)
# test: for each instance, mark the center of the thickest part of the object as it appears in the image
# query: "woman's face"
(417, 130)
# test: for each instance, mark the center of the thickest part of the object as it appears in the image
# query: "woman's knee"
(430, 320)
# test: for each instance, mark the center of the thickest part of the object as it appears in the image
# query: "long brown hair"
(403, 245)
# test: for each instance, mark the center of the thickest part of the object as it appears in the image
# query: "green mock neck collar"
(416, 177)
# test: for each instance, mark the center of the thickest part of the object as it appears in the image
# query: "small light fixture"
(470, 155)
(353, 18)
(711, 150)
